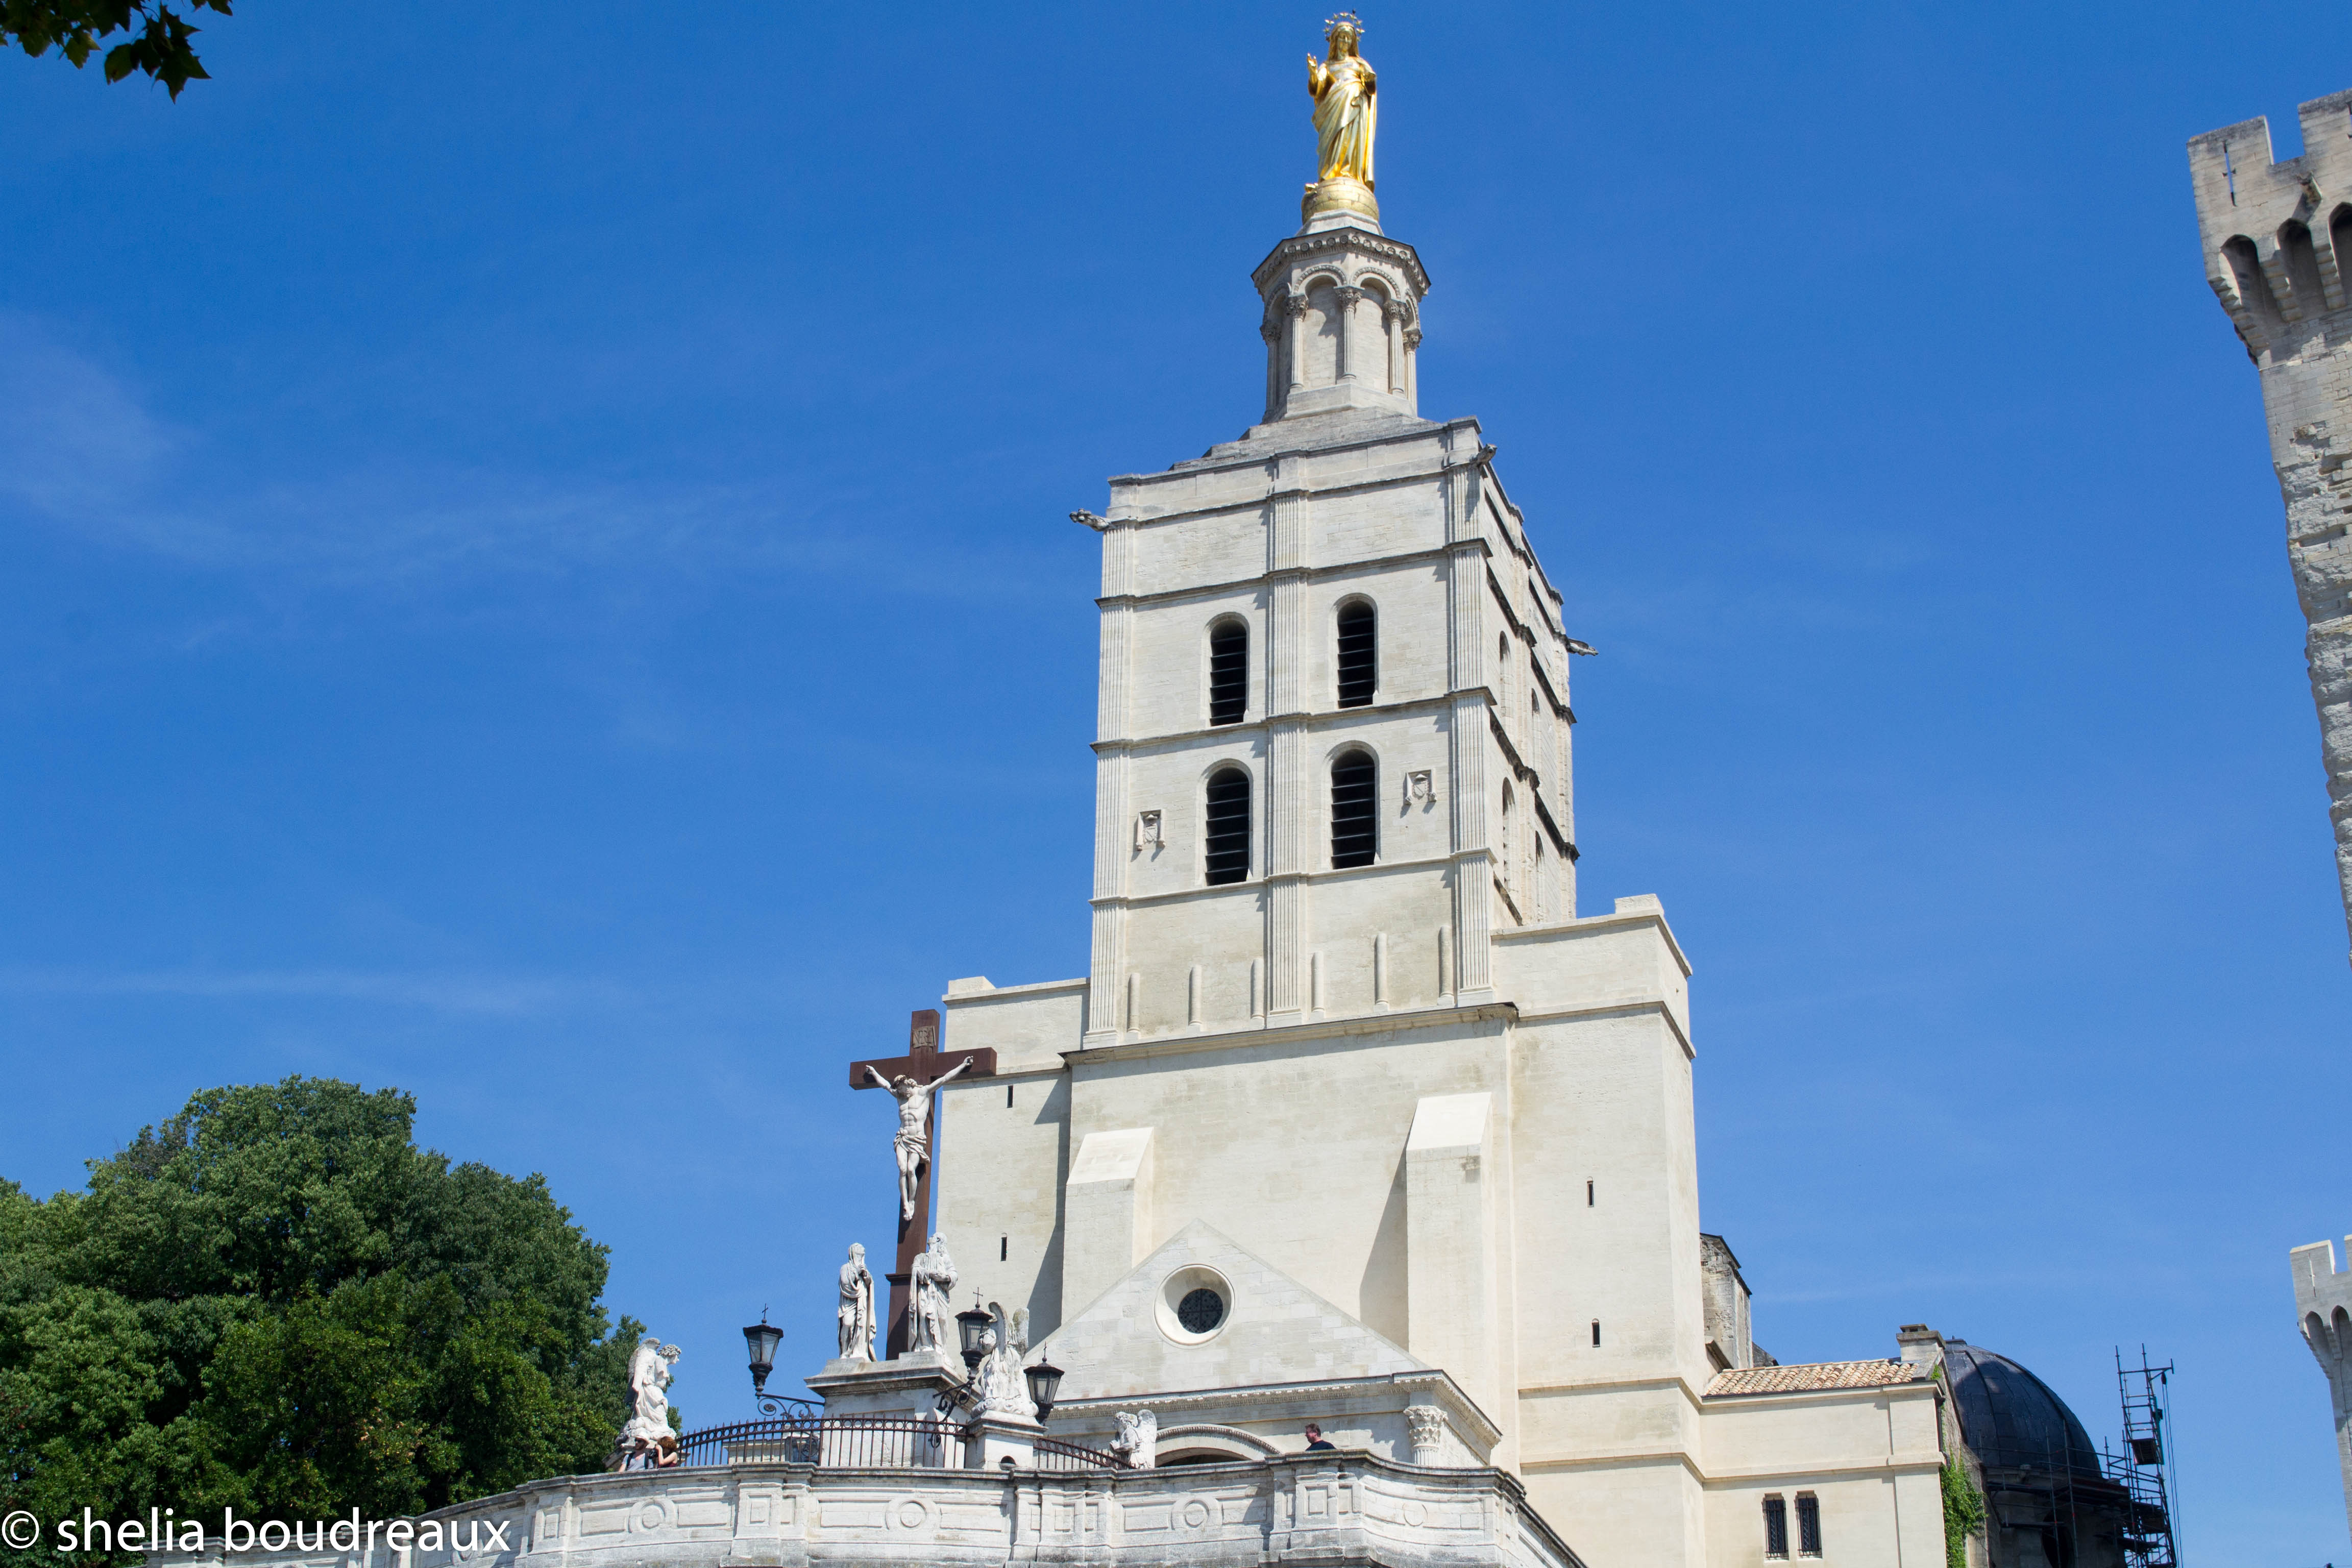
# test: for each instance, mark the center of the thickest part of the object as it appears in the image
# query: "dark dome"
(2009, 1417)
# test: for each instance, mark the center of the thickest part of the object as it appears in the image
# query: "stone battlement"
(2272, 231)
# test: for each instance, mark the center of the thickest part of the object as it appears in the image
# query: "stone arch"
(1206, 1443)
(2245, 267)
(2301, 263)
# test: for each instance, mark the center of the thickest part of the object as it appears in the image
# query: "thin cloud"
(502, 995)
(82, 450)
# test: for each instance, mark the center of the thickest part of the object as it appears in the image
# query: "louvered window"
(1808, 1525)
(1228, 830)
(1776, 1527)
(1228, 672)
(1360, 655)
(1355, 830)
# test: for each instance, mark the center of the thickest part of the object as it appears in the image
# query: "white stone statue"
(645, 1442)
(1139, 1439)
(855, 1320)
(931, 1325)
(913, 1143)
(999, 1381)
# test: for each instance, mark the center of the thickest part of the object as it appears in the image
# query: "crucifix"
(913, 1079)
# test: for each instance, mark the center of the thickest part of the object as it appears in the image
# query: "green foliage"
(74, 28)
(1964, 1512)
(276, 1302)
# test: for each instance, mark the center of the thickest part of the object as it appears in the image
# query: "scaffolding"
(2144, 1470)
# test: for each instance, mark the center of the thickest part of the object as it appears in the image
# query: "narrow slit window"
(1003, 1249)
(1228, 672)
(1776, 1527)
(1355, 828)
(1228, 836)
(1596, 1331)
(1008, 1097)
(1808, 1525)
(1360, 655)
(1588, 1194)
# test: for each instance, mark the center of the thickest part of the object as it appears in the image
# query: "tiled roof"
(1809, 1375)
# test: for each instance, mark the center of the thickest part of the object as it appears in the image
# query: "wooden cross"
(922, 1063)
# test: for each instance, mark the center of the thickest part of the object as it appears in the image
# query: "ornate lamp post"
(761, 1340)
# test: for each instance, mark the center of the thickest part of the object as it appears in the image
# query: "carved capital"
(1413, 337)
(1348, 294)
(1394, 310)
(1426, 1426)
(1268, 330)
(1293, 304)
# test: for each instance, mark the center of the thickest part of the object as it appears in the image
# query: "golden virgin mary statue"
(1345, 115)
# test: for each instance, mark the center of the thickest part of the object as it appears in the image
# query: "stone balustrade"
(1335, 1510)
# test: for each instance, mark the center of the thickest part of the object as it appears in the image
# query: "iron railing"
(859, 1442)
(1053, 1454)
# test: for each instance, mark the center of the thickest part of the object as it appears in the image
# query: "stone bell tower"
(2277, 238)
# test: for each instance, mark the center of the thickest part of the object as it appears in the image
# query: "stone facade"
(1347, 1511)
(1423, 1128)
(2277, 238)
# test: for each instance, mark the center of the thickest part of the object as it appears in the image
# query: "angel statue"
(1139, 1439)
(647, 1442)
(931, 1325)
(913, 1143)
(1000, 1381)
(855, 1320)
(1345, 113)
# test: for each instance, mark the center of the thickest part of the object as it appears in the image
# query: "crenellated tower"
(2277, 237)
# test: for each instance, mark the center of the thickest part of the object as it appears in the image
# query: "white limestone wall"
(1340, 1509)
(1002, 1142)
(1870, 1457)
(1293, 1144)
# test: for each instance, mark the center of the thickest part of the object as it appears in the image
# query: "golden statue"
(1346, 112)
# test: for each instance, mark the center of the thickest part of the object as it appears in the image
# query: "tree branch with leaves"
(158, 44)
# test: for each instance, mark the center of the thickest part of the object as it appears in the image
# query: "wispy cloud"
(83, 449)
(500, 994)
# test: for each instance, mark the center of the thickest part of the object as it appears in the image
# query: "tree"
(276, 1302)
(75, 26)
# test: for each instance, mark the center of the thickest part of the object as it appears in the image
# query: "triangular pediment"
(1132, 1340)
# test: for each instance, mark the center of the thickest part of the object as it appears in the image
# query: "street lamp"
(1045, 1381)
(762, 1341)
(970, 1323)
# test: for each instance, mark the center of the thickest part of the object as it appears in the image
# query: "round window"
(1200, 1311)
(1196, 1304)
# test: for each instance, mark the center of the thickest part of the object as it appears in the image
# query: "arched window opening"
(1355, 825)
(1537, 890)
(2339, 240)
(1775, 1526)
(2301, 269)
(1228, 672)
(1360, 656)
(1227, 838)
(2246, 272)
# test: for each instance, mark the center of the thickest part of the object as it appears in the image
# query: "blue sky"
(533, 569)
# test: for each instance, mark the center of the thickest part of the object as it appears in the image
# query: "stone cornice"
(1307, 718)
(1302, 245)
(1309, 573)
(1414, 429)
(1256, 1032)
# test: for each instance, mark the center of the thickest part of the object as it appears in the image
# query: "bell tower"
(1332, 741)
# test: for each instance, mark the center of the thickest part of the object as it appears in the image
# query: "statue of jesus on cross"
(913, 1143)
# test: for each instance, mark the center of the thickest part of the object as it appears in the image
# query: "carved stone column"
(1349, 297)
(1426, 1426)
